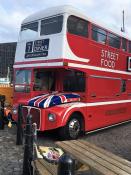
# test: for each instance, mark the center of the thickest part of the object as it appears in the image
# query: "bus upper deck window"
(124, 44)
(129, 46)
(77, 26)
(29, 31)
(114, 40)
(98, 34)
(51, 25)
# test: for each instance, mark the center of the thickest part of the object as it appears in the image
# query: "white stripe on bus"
(98, 68)
(80, 104)
(72, 65)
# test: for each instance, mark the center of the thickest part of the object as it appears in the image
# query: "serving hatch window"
(74, 81)
(51, 25)
(44, 80)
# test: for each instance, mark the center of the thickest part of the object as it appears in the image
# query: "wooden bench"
(42, 167)
(92, 160)
(99, 160)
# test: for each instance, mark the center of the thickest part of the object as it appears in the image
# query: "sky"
(12, 13)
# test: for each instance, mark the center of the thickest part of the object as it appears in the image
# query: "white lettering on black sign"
(38, 48)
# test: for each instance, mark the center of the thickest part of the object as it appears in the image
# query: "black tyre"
(72, 129)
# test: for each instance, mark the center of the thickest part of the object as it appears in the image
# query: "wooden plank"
(82, 157)
(107, 153)
(40, 168)
(52, 168)
(103, 156)
(96, 158)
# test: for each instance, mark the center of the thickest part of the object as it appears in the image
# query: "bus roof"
(72, 11)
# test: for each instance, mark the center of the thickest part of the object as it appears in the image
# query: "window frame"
(69, 77)
(29, 24)
(86, 30)
(123, 85)
(129, 46)
(49, 18)
(99, 33)
(125, 48)
(112, 35)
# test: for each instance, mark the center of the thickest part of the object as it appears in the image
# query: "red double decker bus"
(71, 73)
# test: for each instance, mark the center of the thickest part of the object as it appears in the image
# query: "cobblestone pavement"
(11, 156)
(116, 140)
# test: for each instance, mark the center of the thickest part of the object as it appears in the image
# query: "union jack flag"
(49, 100)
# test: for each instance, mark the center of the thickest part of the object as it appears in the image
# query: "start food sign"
(38, 48)
(109, 59)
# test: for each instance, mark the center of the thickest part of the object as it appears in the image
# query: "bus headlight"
(14, 111)
(51, 117)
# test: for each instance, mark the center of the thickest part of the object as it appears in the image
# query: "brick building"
(7, 55)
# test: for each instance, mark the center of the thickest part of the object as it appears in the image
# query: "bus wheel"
(72, 129)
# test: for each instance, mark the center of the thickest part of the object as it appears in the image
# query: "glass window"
(22, 81)
(98, 34)
(31, 26)
(129, 46)
(74, 81)
(114, 40)
(51, 25)
(77, 26)
(123, 85)
(124, 44)
(29, 31)
(44, 80)
(23, 77)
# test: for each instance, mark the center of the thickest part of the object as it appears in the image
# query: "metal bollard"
(34, 125)
(34, 128)
(66, 165)
(2, 123)
(19, 136)
(28, 149)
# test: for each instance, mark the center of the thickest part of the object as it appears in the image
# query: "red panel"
(102, 87)
(128, 86)
(100, 55)
(106, 115)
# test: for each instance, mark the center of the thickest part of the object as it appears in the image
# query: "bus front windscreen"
(22, 80)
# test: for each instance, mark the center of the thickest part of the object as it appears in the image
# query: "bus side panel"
(105, 115)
